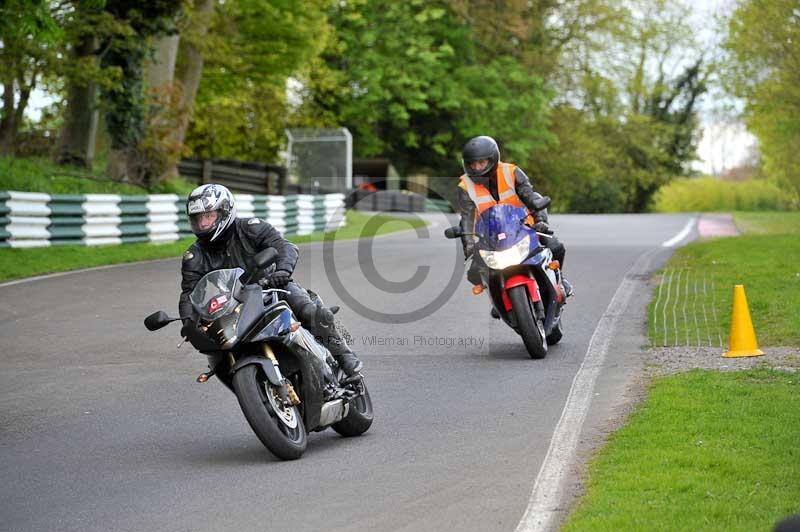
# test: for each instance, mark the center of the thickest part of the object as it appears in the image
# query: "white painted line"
(680, 236)
(543, 505)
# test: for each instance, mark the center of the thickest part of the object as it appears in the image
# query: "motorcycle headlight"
(499, 260)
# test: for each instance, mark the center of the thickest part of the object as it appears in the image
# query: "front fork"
(270, 367)
(286, 390)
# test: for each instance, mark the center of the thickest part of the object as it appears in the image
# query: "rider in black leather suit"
(225, 241)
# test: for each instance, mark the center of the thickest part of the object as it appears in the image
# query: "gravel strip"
(671, 360)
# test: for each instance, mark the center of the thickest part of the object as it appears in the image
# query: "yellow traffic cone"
(743, 337)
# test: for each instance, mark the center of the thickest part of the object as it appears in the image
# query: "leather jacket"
(236, 247)
(467, 208)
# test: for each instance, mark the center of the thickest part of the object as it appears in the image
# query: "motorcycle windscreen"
(212, 297)
(501, 227)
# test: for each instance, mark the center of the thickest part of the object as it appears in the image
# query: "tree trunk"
(191, 68)
(161, 70)
(76, 142)
(8, 126)
(125, 165)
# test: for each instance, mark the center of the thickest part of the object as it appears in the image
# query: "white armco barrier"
(29, 219)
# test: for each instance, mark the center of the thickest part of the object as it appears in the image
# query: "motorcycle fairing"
(275, 322)
(499, 228)
(520, 280)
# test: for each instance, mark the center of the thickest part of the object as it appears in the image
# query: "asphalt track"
(103, 428)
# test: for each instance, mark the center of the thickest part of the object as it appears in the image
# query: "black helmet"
(480, 148)
(211, 210)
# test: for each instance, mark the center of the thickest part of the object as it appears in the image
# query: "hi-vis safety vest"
(506, 189)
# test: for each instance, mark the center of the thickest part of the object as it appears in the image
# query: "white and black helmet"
(208, 200)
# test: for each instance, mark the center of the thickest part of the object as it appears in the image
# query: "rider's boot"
(494, 313)
(324, 327)
(346, 359)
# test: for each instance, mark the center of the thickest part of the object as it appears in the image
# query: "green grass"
(768, 223)
(17, 263)
(692, 304)
(707, 451)
(710, 450)
(708, 194)
(42, 175)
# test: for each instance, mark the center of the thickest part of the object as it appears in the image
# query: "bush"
(708, 194)
(597, 197)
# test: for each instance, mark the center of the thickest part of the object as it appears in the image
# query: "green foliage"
(124, 101)
(253, 47)
(30, 39)
(706, 451)
(629, 126)
(602, 164)
(411, 83)
(763, 67)
(709, 194)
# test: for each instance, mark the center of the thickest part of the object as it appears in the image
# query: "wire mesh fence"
(691, 309)
(320, 159)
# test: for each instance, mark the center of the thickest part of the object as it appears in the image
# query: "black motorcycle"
(287, 383)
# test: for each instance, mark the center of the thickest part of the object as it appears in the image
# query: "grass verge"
(710, 450)
(692, 304)
(17, 263)
(707, 451)
(36, 174)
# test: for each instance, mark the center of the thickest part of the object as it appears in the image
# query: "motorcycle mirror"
(540, 204)
(452, 232)
(157, 320)
(266, 257)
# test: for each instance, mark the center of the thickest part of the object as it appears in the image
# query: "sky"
(725, 142)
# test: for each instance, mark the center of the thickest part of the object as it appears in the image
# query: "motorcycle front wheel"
(530, 328)
(279, 428)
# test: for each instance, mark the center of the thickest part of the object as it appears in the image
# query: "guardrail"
(239, 176)
(29, 219)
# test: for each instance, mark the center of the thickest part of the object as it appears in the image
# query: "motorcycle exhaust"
(333, 411)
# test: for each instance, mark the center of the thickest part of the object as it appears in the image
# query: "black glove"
(279, 278)
(542, 227)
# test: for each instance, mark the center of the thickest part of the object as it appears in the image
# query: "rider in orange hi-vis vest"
(487, 182)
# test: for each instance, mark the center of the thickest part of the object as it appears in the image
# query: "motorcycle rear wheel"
(555, 335)
(359, 418)
(280, 429)
(530, 328)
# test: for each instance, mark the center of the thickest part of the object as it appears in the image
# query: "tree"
(125, 102)
(190, 68)
(30, 37)
(89, 30)
(631, 101)
(411, 82)
(763, 67)
(251, 50)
